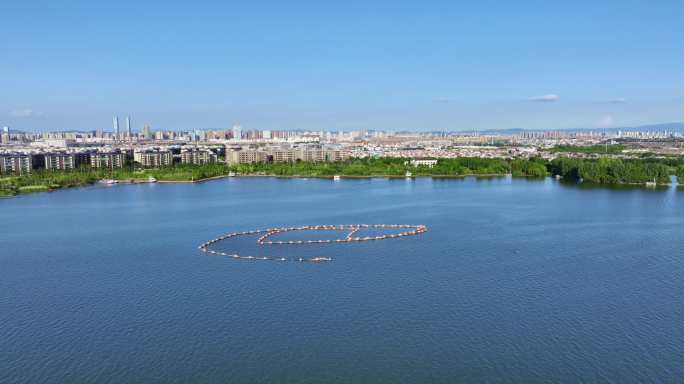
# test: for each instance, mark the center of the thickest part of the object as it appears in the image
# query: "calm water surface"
(515, 281)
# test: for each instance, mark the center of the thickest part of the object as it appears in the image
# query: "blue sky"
(429, 65)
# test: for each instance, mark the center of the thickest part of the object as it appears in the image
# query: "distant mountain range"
(672, 127)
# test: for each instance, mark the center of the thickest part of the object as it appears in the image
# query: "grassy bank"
(601, 171)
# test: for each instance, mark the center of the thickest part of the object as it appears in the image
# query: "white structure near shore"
(423, 162)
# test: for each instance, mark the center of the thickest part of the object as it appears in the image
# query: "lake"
(515, 280)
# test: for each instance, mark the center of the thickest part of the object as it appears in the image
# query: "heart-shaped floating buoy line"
(353, 229)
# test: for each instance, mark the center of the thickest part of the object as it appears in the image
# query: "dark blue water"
(515, 281)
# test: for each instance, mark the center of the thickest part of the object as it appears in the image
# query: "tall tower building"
(237, 132)
(116, 126)
(5, 136)
(147, 132)
(128, 126)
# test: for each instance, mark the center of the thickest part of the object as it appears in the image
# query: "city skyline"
(146, 127)
(386, 66)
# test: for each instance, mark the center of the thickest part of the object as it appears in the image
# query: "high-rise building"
(147, 132)
(116, 126)
(5, 136)
(237, 132)
(200, 135)
(128, 126)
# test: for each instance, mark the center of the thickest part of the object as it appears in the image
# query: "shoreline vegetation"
(600, 171)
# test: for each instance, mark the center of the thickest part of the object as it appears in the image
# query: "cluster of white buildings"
(446, 152)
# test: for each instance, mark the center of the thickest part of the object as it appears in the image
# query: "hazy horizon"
(674, 126)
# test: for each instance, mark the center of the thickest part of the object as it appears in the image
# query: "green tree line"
(600, 171)
(615, 171)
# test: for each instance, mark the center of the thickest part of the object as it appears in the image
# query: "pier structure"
(411, 230)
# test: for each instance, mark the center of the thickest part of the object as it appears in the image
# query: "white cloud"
(619, 100)
(550, 98)
(25, 112)
(606, 121)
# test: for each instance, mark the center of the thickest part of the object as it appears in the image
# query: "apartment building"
(197, 156)
(59, 161)
(239, 156)
(107, 160)
(277, 155)
(17, 164)
(153, 158)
